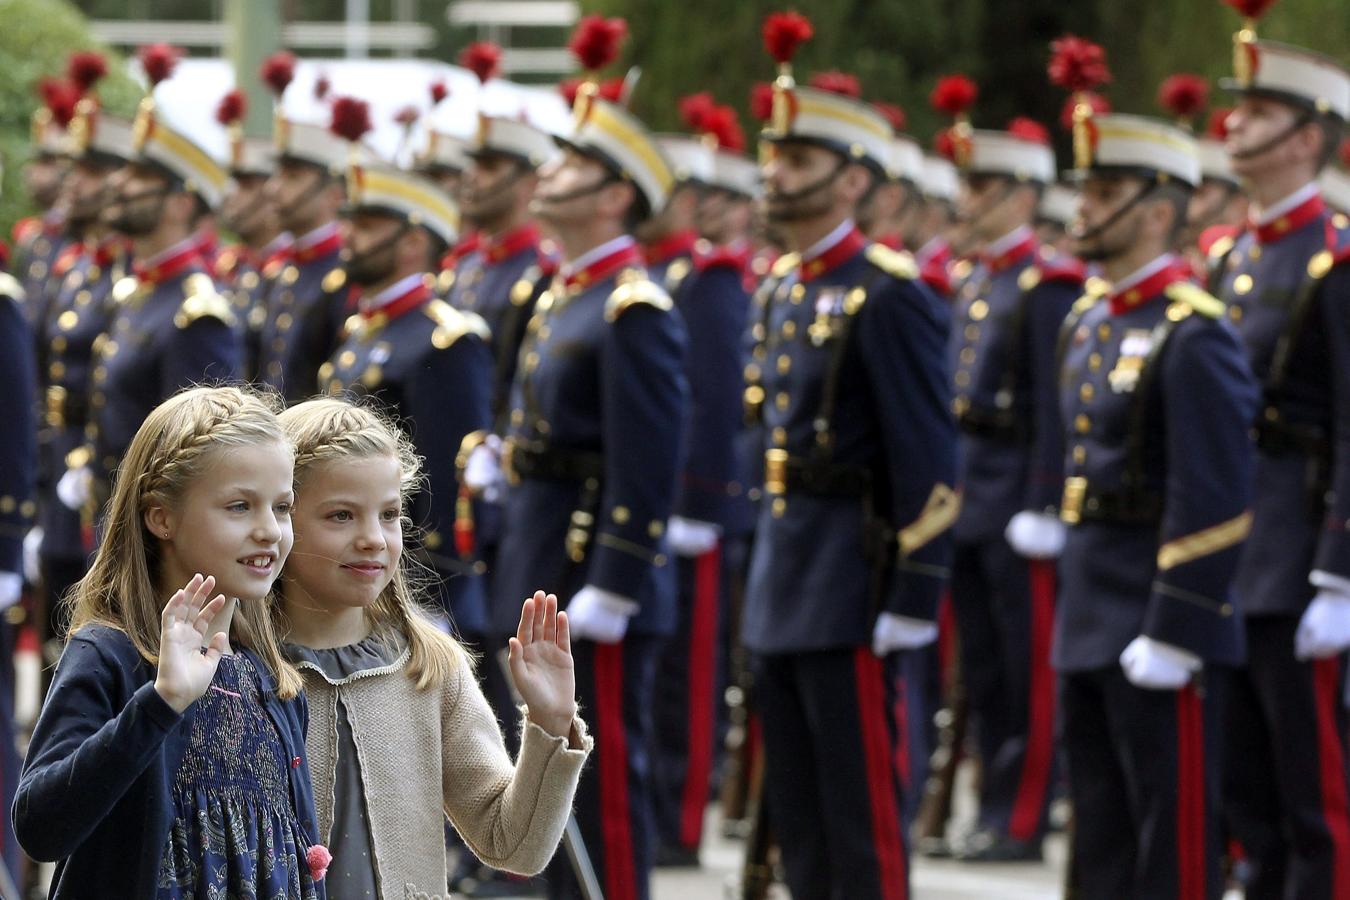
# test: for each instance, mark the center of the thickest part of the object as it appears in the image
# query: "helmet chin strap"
(820, 183)
(1303, 119)
(1116, 216)
(579, 192)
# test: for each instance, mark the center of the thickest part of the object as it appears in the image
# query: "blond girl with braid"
(169, 758)
(400, 735)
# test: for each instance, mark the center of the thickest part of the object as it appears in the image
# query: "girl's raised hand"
(541, 665)
(185, 672)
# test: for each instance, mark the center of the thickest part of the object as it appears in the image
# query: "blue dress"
(234, 832)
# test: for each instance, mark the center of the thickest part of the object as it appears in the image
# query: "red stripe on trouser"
(1039, 754)
(946, 642)
(620, 879)
(876, 741)
(702, 681)
(1190, 796)
(1331, 764)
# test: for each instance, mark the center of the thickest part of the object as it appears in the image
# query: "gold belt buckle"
(509, 461)
(775, 472)
(56, 406)
(1071, 506)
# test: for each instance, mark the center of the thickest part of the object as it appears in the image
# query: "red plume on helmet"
(1096, 103)
(1029, 130)
(438, 92)
(595, 42)
(351, 118)
(483, 59)
(232, 107)
(1184, 95)
(725, 128)
(944, 146)
(761, 101)
(158, 61)
(893, 113)
(60, 95)
(1250, 9)
(1218, 123)
(784, 33)
(954, 95)
(277, 71)
(835, 82)
(84, 68)
(612, 90)
(695, 109)
(1077, 64)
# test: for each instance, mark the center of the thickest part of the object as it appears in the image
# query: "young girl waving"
(400, 734)
(168, 760)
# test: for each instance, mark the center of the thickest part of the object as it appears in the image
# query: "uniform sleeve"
(86, 751)
(903, 334)
(1209, 397)
(1333, 548)
(207, 350)
(438, 428)
(644, 401)
(1050, 303)
(714, 307)
(18, 447)
(511, 816)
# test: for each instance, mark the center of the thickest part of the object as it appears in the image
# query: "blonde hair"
(174, 445)
(329, 429)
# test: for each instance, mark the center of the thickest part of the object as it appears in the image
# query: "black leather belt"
(1280, 438)
(520, 461)
(784, 474)
(1083, 504)
(999, 426)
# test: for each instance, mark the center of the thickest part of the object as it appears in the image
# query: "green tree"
(36, 38)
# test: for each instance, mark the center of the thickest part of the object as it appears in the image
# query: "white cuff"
(11, 589)
(1036, 535)
(1330, 582)
(690, 537)
(893, 632)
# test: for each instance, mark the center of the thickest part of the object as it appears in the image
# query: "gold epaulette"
(640, 292)
(453, 324)
(10, 287)
(1220, 247)
(445, 281)
(1196, 299)
(201, 299)
(896, 263)
(785, 264)
(334, 280)
(1084, 303)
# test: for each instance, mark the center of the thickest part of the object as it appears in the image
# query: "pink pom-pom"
(319, 860)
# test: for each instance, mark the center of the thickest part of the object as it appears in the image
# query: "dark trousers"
(1004, 608)
(1144, 779)
(613, 801)
(1285, 781)
(915, 699)
(688, 693)
(829, 746)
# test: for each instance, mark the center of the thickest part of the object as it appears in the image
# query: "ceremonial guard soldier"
(668, 237)
(853, 543)
(79, 314)
(1006, 327)
(1057, 209)
(242, 270)
(1287, 778)
(171, 327)
(1156, 399)
(711, 297)
(1219, 207)
(411, 350)
(18, 482)
(592, 457)
(888, 211)
(309, 300)
(930, 230)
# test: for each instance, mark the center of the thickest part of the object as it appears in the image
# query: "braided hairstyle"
(175, 444)
(330, 430)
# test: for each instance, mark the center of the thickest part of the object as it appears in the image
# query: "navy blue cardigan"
(95, 792)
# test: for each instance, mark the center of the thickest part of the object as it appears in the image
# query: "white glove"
(894, 632)
(75, 488)
(1324, 629)
(600, 615)
(483, 470)
(690, 537)
(1036, 535)
(32, 555)
(1156, 666)
(11, 589)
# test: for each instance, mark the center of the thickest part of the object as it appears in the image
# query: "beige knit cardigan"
(511, 816)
